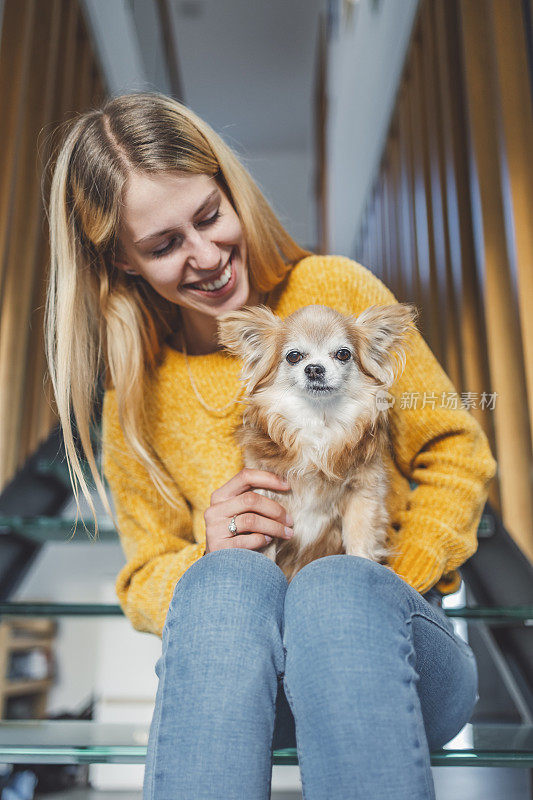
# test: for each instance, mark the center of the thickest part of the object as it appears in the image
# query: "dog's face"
(318, 354)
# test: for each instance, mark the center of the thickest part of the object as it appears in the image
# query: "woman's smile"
(220, 284)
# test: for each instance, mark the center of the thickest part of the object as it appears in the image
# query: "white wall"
(286, 179)
(128, 41)
(365, 66)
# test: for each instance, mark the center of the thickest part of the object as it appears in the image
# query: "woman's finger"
(248, 479)
(250, 523)
(250, 541)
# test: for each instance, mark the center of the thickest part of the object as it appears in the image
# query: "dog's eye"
(343, 354)
(293, 357)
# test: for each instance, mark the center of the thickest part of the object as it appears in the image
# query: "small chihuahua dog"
(316, 414)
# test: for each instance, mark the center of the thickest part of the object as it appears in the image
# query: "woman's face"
(180, 229)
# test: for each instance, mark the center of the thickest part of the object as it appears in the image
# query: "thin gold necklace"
(200, 399)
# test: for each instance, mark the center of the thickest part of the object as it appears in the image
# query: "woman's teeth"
(218, 284)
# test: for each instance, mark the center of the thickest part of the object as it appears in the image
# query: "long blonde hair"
(102, 322)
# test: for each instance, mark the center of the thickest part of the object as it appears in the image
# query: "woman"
(157, 229)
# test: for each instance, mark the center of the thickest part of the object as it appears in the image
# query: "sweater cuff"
(420, 567)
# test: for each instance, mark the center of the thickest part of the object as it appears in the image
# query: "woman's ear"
(125, 268)
(121, 262)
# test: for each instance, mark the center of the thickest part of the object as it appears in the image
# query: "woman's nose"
(203, 253)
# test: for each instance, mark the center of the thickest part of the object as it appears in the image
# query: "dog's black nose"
(314, 370)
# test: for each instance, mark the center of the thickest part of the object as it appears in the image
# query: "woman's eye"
(343, 354)
(211, 219)
(293, 357)
(170, 246)
(164, 250)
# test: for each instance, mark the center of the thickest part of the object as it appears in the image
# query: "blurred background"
(396, 132)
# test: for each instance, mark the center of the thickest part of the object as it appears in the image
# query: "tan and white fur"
(316, 414)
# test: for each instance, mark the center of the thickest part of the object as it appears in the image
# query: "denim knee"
(224, 599)
(336, 584)
(230, 571)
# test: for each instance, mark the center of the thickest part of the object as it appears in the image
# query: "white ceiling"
(248, 68)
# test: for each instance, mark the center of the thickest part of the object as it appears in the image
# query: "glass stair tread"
(88, 741)
(505, 615)
(59, 529)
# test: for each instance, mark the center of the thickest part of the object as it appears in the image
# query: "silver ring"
(232, 527)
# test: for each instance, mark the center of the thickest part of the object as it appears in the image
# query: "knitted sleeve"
(157, 539)
(442, 448)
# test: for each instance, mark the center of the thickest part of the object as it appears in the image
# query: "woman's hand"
(257, 518)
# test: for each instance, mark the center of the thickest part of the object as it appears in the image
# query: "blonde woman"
(157, 229)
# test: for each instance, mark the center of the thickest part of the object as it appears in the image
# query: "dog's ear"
(382, 336)
(243, 332)
(250, 333)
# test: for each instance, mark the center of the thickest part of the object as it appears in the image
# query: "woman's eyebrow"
(200, 208)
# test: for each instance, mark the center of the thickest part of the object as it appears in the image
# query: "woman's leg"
(222, 654)
(375, 678)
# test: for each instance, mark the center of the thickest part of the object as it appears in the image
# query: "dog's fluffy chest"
(315, 439)
(306, 503)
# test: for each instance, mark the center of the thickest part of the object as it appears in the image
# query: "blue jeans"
(373, 673)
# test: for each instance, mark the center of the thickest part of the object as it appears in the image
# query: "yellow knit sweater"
(441, 449)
